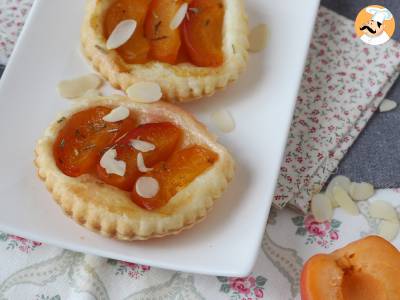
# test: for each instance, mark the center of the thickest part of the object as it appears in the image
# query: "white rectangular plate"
(261, 102)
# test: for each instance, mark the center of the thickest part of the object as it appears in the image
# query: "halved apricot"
(367, 269)
(85, 134)
(164, 136)
(164, 41)
(175, 174)
(202, 32)
(136, 49)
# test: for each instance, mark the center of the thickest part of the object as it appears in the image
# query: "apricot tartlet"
(132, 171)
(190, 48)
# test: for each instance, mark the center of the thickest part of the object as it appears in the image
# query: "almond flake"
(142, 146)
(121, 34)
(92, 93)
(258, 38)
(117, 114)
(179, 16)
(111, 165)
(344, 200)
(194, 10)
(147, 187)
(144, 92)
(77, 87)
(140, 164)
(223, 120)
(332, 199)
(383, 210)
(341, 181)
(387, 105)
(388, 229)
(361, 191)
(321, 208)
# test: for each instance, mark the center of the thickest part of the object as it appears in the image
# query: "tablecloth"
(31, 270)
(377, 144)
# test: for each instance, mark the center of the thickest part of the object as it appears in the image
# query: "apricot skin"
(367, 269)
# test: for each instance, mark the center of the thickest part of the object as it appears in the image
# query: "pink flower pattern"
(344, 82)
(243, 288)
(21, 244)
(243, 285)
(133, 270)
(324, 234)
(315, 228)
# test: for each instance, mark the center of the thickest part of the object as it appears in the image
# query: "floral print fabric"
(249, 287)
(343, 83)
(324, 233)
(12, 17)
(45, 272)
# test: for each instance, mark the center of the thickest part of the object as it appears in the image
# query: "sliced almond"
(77, 87)
(140, 164)
(92, 93)
(121, 34)
(258, 38)
(179, 16)
(341, 181)
(223, 120)
(117, 114)
(388, 229)
(321, 208)
(332, 199)
(142, 146)
(344, 200)
(147, 187)
(383, 210)
(387, 105)
(111, 165)
(144, 92)
(361, 191)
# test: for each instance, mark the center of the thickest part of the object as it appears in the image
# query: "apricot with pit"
(367, 269)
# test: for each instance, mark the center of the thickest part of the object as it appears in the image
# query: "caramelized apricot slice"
(85, 134)
(183, 56)
(164, 136)
(175, 174)
(164, 41)
(136, 49)
(202, 32)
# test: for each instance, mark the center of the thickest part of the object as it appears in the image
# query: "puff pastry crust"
(109, 210)
(179, 83)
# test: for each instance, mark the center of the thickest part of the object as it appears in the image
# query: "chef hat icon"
(379, 14)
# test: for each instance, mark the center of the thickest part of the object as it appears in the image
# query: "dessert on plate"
(132, 171)
(190, 48)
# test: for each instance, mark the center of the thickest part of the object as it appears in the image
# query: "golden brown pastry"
(109, 209)
(180, 81)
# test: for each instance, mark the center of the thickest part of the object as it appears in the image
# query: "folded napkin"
(344, 82)
(12, 18)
